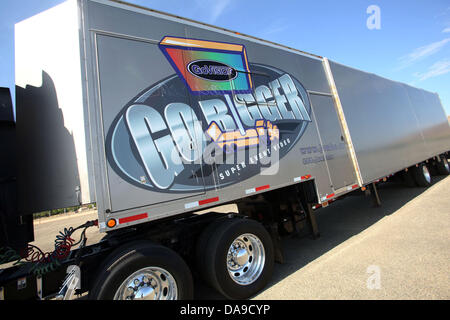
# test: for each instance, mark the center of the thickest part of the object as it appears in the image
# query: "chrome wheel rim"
(446, 165)
(426, 174)
(245, 259)
(150, 283)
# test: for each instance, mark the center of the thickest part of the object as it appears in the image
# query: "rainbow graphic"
(209, 67)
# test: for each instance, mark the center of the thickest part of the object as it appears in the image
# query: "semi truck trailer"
(157, 119)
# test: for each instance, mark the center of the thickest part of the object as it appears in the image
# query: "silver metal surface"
(134, 7)
(342, 121)
(145, 65)
(246, 259)
(151, 283)
(393, 126)
(335, 147)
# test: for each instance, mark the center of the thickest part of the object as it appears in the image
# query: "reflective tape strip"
(352, 187)
(298, 179)
(203, 202)
(328, 196)
(191, 205)
(133, 218)
(200, 203)
(324, 204)
(253, 190)
(262, 188)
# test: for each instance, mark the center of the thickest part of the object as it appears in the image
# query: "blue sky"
(411, 46)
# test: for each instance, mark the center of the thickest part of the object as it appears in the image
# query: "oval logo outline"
(204, 70)
(131, 170)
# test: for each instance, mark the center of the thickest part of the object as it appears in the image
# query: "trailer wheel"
(143, 271)
(442, 166)
(421, 175)
(237, 259)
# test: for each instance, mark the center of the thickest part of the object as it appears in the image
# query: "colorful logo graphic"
(209, 67)
(172, 140)
(264, 132)
(212, 70)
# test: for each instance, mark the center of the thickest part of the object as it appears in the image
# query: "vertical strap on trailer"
(342, 120)
(375, 196)
(306, 207)
(311, 216)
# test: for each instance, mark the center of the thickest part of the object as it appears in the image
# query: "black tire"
(213, 247)
(442, 166)
(202, 242)
(128, 259)
(421, 175)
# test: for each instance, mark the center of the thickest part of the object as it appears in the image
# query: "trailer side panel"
(393, 126)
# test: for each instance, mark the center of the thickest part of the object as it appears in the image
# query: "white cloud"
(215, 8)
(422, 52)
(446, 30)
(439, 68)
(443, 13)
(275, 26)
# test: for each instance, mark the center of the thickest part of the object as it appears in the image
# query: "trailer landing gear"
(375, 195)
(311, 218)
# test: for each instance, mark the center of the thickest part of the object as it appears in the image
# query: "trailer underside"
(283, 212)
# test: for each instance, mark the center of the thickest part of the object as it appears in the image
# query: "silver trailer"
(154, 117)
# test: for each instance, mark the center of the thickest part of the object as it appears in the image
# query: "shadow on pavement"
(337, 223)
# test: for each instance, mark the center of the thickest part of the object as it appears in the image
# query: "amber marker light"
(111, 223)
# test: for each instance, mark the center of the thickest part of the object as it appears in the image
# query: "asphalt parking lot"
(397, 251)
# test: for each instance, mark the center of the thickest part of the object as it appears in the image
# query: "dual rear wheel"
(143, 271)
(233, 255)
(422, 174)
(442, 166)
(236, 257)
